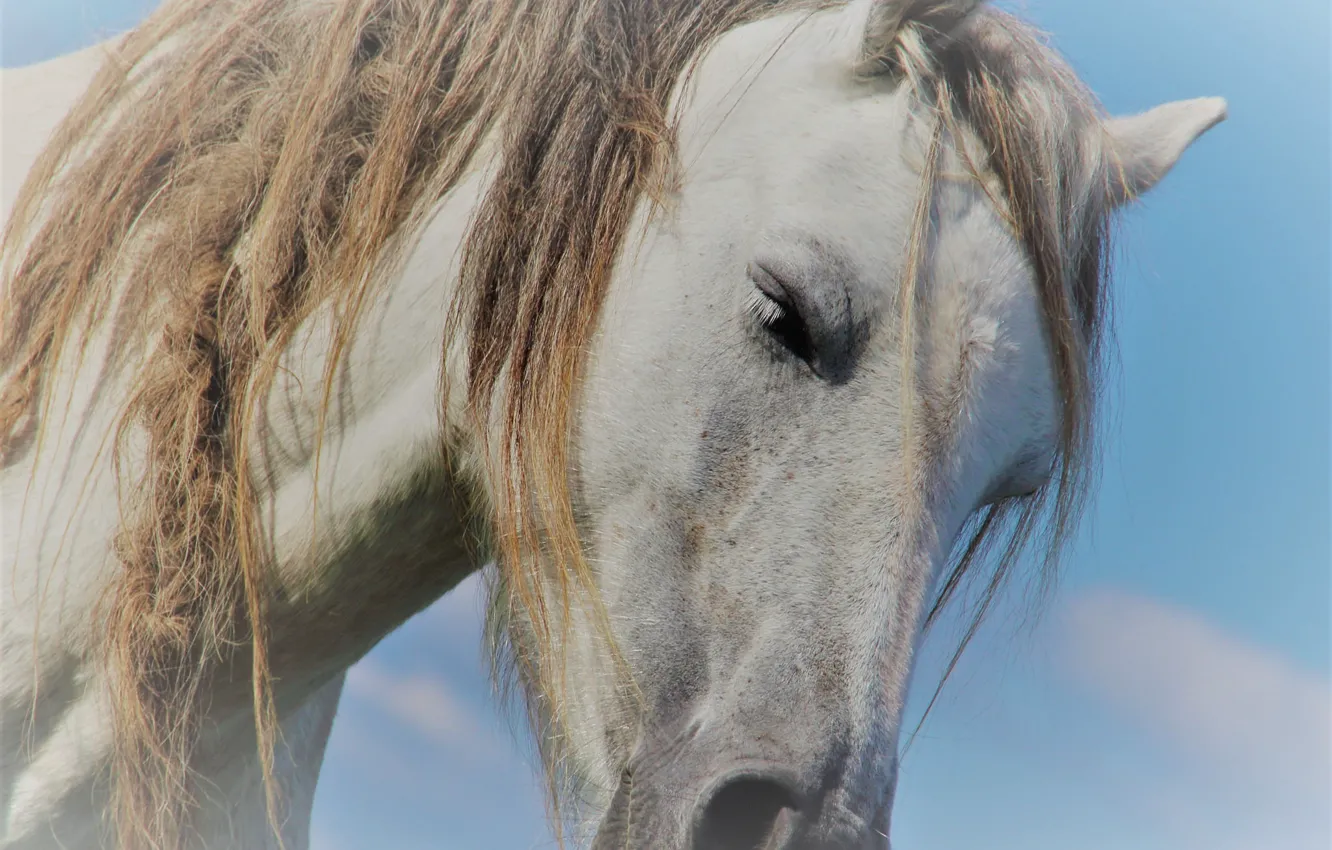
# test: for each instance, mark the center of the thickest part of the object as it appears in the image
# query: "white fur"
(778, 145)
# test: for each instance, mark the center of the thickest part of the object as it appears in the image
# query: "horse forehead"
(775, 105)
(762, 83)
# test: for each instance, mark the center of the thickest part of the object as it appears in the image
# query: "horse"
(737, 334)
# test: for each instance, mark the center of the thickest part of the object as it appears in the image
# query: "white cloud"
(321, 839)
(425, 705)
(1255, 730)
(428, 759)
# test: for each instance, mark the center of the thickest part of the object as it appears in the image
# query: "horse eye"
(773, 308)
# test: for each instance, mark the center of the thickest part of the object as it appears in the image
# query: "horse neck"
(381, 437)
(396, 362)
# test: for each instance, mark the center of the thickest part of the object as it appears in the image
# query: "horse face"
(764, 524)
(763, 519)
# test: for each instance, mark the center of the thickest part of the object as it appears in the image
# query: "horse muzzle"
(747, 804)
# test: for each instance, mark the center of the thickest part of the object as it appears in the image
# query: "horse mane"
(241, 166)
(988, 75)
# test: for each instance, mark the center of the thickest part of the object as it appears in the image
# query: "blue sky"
(1176, 694)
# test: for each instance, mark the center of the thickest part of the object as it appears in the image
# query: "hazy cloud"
(418, 754)
(424, 704)
(321, 839)
(1256, 728)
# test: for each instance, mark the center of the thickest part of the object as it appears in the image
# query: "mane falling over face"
(242, 168)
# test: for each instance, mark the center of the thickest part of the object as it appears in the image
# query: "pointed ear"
(1144, 147)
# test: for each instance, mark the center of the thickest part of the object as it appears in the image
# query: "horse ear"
(882, 23)
(1144, 147)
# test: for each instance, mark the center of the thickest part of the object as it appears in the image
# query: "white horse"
(719, 324)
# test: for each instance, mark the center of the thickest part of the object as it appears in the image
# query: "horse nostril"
(745, 814)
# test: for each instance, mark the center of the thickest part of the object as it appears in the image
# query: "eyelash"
(764, 309)
(783, 322)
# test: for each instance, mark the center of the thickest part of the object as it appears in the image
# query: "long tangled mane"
(240, 167)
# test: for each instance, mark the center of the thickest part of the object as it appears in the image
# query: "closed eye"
(775, 312)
